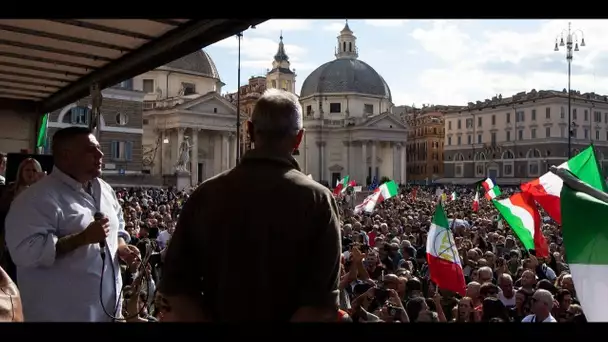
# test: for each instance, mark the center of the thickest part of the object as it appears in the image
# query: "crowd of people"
(384, 274)
(386, 277)
(71, 227)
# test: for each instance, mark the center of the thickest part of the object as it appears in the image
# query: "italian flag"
(522, 216)
(442, 255)
(453, 196)
(584, 230)
(492, 190)
(383, 192)
(341, 186)
(476, 201)
(547, 188)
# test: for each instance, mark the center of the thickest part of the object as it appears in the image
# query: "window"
(548, 132)
(469, 123)
(533, 169)
(586, 132)
(586, 115)
(562, 113)
(450, 140)
(309, 110)
(79, 115)
(148, 85)
(469, 139)
(459, 140)
(493, 138)
(508, 170)
(533, 133)
(122, 150)
(335, 108)
(493, 120)
(520, 116)
(368, 109)
(548, 113)
(479, 122)
(449, 125)
(459, 124)
(520, 134)
(214, 109)
(533, 114)
(597, 135)
(189, 88)
(122, 119)
(508, 135)
(597, 116)
(574, 114)
(479, 138)
(508, 117)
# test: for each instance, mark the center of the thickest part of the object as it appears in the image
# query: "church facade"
(350, 128)
(183, 102)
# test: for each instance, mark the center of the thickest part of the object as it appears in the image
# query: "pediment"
(336, 168)
(386, 120)
(210, 103)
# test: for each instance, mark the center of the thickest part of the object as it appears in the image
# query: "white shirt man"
(65, 289)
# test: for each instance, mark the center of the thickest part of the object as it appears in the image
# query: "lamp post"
(239, 36)
(572, 45)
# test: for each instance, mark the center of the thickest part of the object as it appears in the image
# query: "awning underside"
(51, 63)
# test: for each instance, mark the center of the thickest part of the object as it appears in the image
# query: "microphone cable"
(141, 268)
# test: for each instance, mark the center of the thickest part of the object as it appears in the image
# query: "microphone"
(102, 244)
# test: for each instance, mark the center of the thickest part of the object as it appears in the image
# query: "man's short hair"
(65, 135)
(277, 114)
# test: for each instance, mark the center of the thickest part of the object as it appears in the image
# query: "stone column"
(396, 162)
(225, 152)
(176, 148)
(194, 157)
(403, 165)
(346, 159)
(321, 161)
(374, 158)
(364, 161)
(233, 150)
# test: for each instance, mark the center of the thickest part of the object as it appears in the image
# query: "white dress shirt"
(64, 289)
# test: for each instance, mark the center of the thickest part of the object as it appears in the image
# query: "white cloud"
(386, 22)
(334, 27)
(275, 26)
(463, 76)
(257, 52)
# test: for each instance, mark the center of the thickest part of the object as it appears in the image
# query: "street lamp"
(572, 45)
(239, 36)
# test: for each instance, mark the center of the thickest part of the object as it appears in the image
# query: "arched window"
(533, 153)
(79, 115)
(350, 47)
(343, 46)
(508, 154)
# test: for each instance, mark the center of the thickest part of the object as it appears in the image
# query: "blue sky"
(448, 62)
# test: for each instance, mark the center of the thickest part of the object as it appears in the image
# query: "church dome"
(198, 62)
(345, 75)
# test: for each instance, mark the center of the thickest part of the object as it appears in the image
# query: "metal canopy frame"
(47, 64)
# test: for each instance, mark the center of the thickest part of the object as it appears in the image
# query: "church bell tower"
(281, 76)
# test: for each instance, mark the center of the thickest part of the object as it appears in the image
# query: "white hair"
(277, 113)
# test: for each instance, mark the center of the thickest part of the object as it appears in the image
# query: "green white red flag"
(547, 188)
(383, 192)
(523, 217)
(442, 255)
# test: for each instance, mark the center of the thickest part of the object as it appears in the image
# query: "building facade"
(518, 138)
(121, 130)
(248, 96)
(425, 145)
(350, 128)
(183, 102)
(280, 76)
